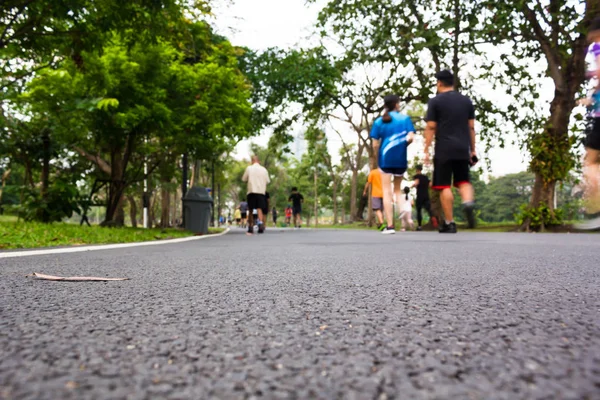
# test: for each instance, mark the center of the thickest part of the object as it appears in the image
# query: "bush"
(540, 217)
(61, 202)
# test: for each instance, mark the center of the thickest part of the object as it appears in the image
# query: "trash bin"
(197, 209)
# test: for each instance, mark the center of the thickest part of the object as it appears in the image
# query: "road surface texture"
(303, 314)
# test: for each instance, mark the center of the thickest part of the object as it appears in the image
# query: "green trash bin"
(197, 208)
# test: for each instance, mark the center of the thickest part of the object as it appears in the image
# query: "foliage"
(61, 202)
(539, 218)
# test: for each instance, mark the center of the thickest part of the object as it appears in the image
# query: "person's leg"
(250, 221)
(462, 180)
(386, 182)
(591, 173)
(379, 214)
(447, 200)
(420, 205)
(398, 193)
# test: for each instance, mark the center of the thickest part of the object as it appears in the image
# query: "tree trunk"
(551, 159)
(316, 198)
(5, 177)
(132, 210)
(353, 189)
(165, 214)
(335, 201)
(456, 49)
(115, 191)
(45, 177)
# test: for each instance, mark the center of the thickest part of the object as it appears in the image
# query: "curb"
(41, 252)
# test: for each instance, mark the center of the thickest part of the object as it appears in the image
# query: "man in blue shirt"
(391, 134)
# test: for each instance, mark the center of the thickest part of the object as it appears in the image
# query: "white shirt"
(406, 205)
(257, 177)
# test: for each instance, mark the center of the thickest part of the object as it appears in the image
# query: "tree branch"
(554, 62)
(103, 165)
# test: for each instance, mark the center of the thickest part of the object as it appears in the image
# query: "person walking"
(257, 178)
(265, 219)
(451, 121)
(297, 199)
(391, 134)
(422, 183)
(374, 181)
(288, 215)
(237, 215)
(591, 170)
(406, 210)
(244, 212)
(274, 215)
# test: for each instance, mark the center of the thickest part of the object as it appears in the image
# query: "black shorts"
(446, 172)
(394, 171)
(592, 138)
(244, 215)
(257, 201)
(297, 210)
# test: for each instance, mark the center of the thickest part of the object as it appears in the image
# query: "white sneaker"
(590, 225)
(388, 231)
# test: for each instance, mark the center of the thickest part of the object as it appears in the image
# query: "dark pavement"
(309, 314)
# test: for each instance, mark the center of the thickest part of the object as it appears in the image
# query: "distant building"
(298, 146)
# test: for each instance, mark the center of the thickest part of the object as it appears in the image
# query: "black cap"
(444, 75)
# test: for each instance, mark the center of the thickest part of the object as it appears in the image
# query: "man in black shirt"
(297, 199)
(421, 182)
(451, 120)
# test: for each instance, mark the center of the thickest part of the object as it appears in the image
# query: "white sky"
(260, 24)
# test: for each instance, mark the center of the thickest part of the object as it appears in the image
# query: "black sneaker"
(419, 229)
(448, 228)
(470, 214)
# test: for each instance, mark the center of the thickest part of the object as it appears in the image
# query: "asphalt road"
(309, 314)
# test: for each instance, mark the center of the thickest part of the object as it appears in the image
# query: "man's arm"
(245, 177)
(366, 188)
(472, 130)
(429, 134)
(415, 183)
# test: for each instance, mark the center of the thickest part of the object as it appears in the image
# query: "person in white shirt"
(257, 178)
(406, 210)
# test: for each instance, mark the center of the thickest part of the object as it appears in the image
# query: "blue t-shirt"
(393, 136)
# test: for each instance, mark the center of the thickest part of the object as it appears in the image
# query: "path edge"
(80, 249)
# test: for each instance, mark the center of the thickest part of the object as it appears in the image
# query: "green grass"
(26, 235)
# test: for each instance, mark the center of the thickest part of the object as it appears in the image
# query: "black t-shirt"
(422, 187)
(452, 112)
(296, 199)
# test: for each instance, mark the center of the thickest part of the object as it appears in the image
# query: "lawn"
(26, 235)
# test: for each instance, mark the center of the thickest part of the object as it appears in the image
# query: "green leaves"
(107, 104)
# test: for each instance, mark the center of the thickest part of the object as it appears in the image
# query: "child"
(406, 210)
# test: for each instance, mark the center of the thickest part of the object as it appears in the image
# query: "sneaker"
(448, 228)
(388, 231)
(591, 225)
(381, 227)
(419, 229)
(470, 214)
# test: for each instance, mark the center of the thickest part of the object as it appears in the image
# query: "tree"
(38, 34)
(555, 34)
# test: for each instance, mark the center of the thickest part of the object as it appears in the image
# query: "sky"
(261, 24)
